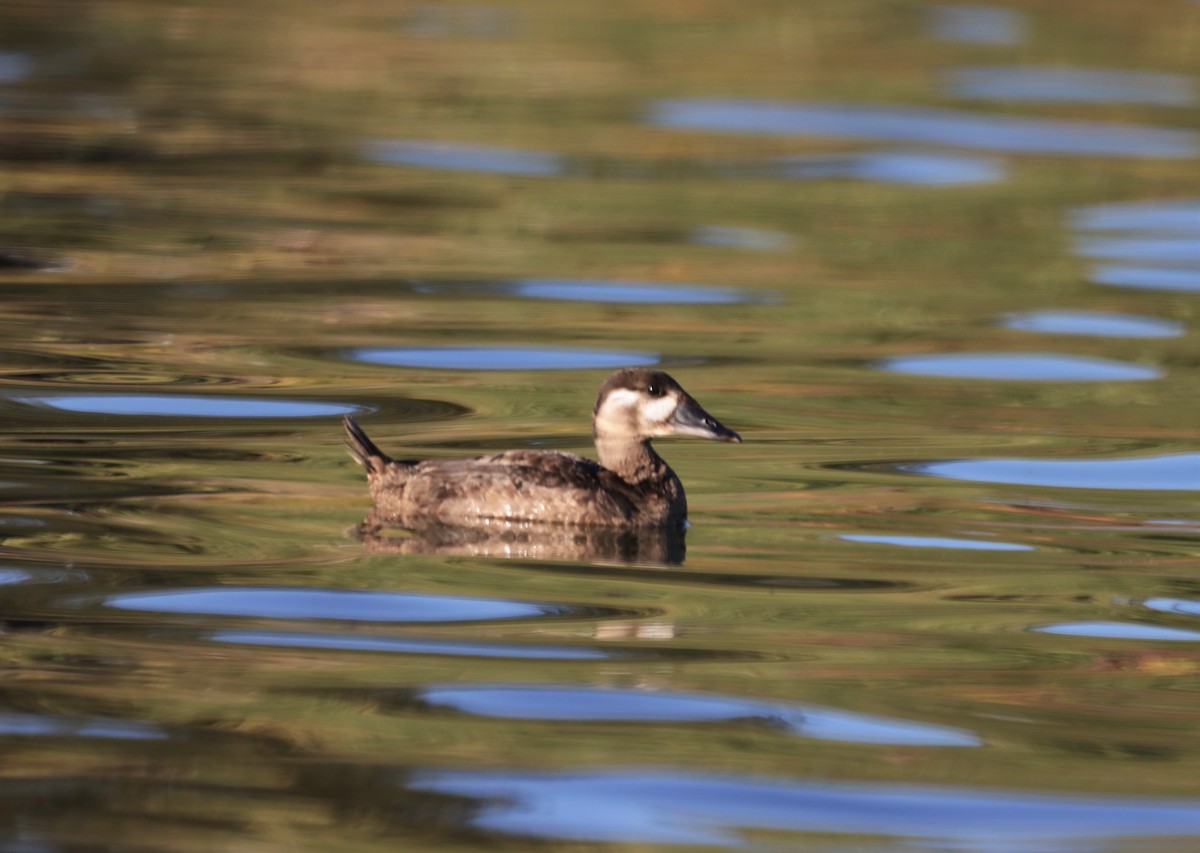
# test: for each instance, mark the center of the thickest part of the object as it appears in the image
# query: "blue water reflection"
(1176, 216)
(977, 23)
(44, 725)
(353, 605)
(1147, 278)
(757, 239)
(468, 157)
(1071, 85)
(501, 358)
(899, 166)
(14, 66)
(439, 20)
(1033, 367)
(1169, 472)
(1150, 245)
(593, 704)
(1120, 631)
(1179, 606)
(934, 542)
(17, 522)
(180, 405)
(924, 168)
(1099, 323)
(10, 575)
(654, 807)
(925, 125)
(627, 292)
(1161, 250)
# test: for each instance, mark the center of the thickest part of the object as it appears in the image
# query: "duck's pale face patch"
(627, 413)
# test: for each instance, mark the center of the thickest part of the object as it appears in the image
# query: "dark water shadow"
(462, 648)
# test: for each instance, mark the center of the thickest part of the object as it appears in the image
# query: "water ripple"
(500, 358)
(1099, 323)
(977, 23)
(904, 166)
(740, 237)
(594, 704)
(646, 806)
(921, 168)
(626, 292)
(464, 156)
(1177, 216)
(1148, 245)
(1174, 471)
(1071, 85)
(934, 542)
(34, 725)
(608, 290)
(355, 605)
(10, 575)
(1147, 278)
(172, 405)
(1119, 631)
(1028, 367)
(14, 66)
(1179, 606)
(924, 124)
(1169, 251)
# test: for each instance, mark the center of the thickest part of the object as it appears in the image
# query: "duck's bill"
(691, 419)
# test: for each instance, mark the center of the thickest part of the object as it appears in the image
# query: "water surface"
(937, 264)
(938, 126)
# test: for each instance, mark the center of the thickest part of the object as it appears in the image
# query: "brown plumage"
(631, 485)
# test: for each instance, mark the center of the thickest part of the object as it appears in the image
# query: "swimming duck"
(631, 486)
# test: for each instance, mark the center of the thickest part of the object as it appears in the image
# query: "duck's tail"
(362, 449)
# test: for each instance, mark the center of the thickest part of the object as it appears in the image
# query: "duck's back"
(520, 485)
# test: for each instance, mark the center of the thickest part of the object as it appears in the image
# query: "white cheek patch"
(656, 414)
(628, 412)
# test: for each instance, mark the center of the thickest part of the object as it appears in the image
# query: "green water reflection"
(207, 258)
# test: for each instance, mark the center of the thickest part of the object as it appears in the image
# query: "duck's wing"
(521, 485)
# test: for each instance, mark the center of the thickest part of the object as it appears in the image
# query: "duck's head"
(637, 403)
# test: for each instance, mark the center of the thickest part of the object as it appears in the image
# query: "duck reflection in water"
(629, 506)
(509, 540)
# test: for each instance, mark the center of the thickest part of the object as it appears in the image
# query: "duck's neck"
(632, 460)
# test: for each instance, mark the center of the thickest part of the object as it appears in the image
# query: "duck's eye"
(654, 389)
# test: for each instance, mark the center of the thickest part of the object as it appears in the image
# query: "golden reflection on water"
(201, 239)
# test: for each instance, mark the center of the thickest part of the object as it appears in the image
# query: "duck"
(630, 487)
